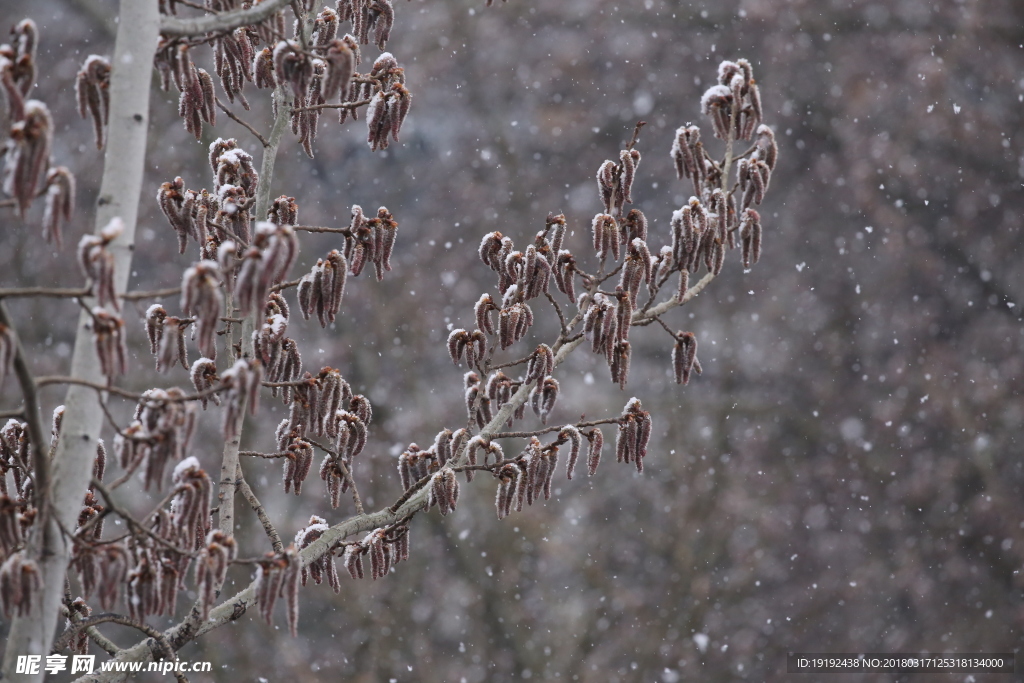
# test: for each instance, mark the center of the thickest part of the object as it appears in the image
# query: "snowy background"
(846, 475)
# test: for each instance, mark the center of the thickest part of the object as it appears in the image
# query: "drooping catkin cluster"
(20, 579)
(242, 384)
(60, 203)
(703, 228)
(389, 104)
(528, 477)
(323, 567)
(415, 463)
(92, 88)
(14, 458)
(323, 405)
(110, 341)
(197, 102)
(278, 576)
(201, 298)
(101, 569)
(28, 153)
(322, 289)
(385, 548)
(212, 565)
(160, 432)
(684, 357)
(489, 449)
(634, 434)
(444, 491)
(377, 16)
(734, 104)
(18, 66)
(472, 345)
(26, 136)
(233, 55)
(166, 336)
(264, 264)
(190, 507)
(77, 611)
(615, 181)
(97, 263)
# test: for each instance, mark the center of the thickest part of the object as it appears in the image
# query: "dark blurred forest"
(845, 475)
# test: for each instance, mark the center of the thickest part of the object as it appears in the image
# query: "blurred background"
(846, 474)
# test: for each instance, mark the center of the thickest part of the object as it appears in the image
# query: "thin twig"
(313, 228)
(40, 463)
(558, 310)
(124, 393)
(101, 640)
(343, 105)
(261, 513)
(131, 521)
(49, 292)
(636, 134)
(548, 430)
(268, 456)
(285, 285)
(155, 294)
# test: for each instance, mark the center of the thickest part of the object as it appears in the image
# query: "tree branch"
(101, 640)
(225, 21)
(229, 460)
(30, 412)
(261, 513)
(165, 646)
(234, 117)
(49, 292)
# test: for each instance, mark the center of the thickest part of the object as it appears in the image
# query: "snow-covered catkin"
(60, 203)
(750, 235)
(212, 566)
(20, 579)
(684, 355)
(508, 477)
(444, 491)
(595, 439)
(571, 434)
(297, 465)
(716, 104)
(92, 88)
(201, 298)
(97, 264)
(110, 342)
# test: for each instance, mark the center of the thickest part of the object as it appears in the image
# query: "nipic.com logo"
(85, 664)
(31, 664)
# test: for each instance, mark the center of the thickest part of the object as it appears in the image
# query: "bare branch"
(226, 21)
(234, 117)
(47, 292)
(261, 513)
